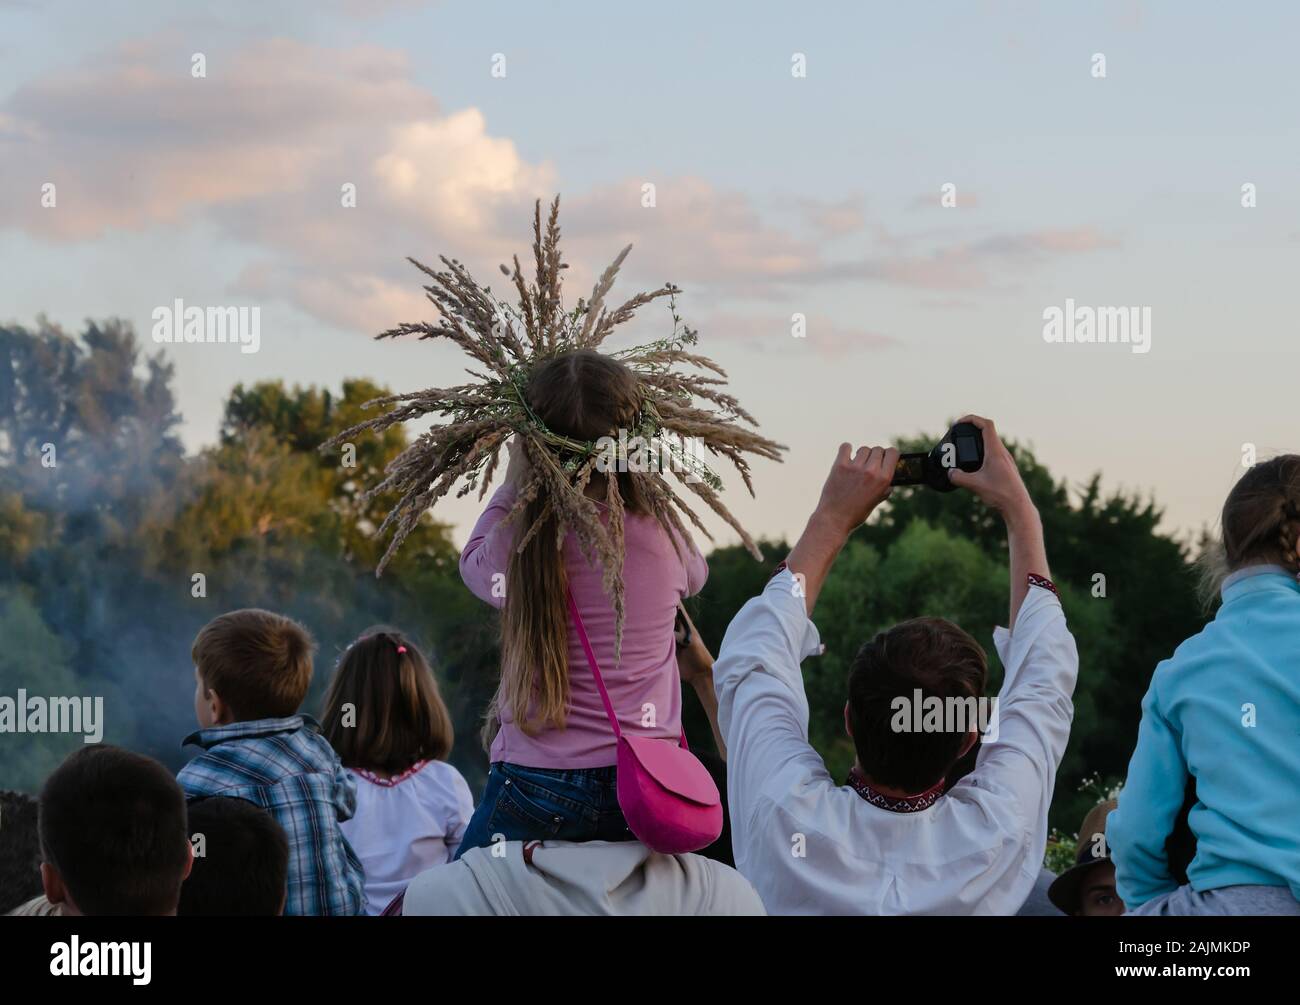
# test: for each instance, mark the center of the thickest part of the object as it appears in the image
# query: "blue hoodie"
(1225, 710)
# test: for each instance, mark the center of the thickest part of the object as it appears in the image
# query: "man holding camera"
(895, 839)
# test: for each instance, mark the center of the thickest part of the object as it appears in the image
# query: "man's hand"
(997, 482)
(857, 484)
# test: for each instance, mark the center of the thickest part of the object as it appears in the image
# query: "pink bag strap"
(595, 669)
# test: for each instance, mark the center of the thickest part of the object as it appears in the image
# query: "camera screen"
(910, 470)
(967, 449)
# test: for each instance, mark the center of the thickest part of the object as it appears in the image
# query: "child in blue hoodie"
(1224, 710)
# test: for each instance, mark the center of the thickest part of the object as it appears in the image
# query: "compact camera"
(962, 448)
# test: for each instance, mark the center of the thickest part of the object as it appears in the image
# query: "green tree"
(88, 427)
(123, 548)
(87, 450)
(35, 660)
(271, 521)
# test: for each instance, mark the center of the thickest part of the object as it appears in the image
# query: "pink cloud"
(965, 199)
(263, 146)
(693, 230)
(1040, 242)
(776, 330)
(131, 139)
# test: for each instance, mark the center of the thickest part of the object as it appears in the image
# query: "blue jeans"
(546, 804)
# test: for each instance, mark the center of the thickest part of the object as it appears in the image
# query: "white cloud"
(261, 148)
(452, 174)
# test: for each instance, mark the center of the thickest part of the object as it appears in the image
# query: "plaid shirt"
(286, 767)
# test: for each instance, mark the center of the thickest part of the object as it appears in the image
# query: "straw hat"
(1090, 853)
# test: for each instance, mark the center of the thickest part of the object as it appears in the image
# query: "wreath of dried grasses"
(506, 341)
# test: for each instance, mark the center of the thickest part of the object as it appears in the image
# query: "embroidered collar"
(895, 804)
(388, 783)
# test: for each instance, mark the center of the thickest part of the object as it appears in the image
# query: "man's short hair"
(20, 850)
(241, 860)
(257, 661)
(112, 823)
(931, 655)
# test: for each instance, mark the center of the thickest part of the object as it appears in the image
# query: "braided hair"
(1260, 521)
(1261, 518)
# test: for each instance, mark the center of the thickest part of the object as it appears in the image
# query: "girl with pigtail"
(1224, 713)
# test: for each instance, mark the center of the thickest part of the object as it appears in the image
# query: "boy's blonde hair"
(259, 662)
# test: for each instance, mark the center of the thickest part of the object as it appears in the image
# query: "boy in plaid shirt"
(252, 669)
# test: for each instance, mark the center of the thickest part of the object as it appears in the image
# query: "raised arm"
(762, 706)
(695, 665)
(486, 558)
(999, 485)
(856, 485)
(1019, 757)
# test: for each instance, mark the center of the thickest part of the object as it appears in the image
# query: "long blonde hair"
(583, 395)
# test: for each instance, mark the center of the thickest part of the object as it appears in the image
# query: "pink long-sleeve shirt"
(644, 687)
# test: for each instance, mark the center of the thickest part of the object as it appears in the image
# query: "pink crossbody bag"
(667, 796)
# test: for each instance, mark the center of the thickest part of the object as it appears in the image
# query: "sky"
(1112, 183)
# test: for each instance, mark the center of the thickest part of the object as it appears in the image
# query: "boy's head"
(241, 860)
(250, 664)
(112, 833)
(929, 655)
(20, 850)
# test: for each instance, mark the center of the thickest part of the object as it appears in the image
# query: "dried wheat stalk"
(506, 341)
